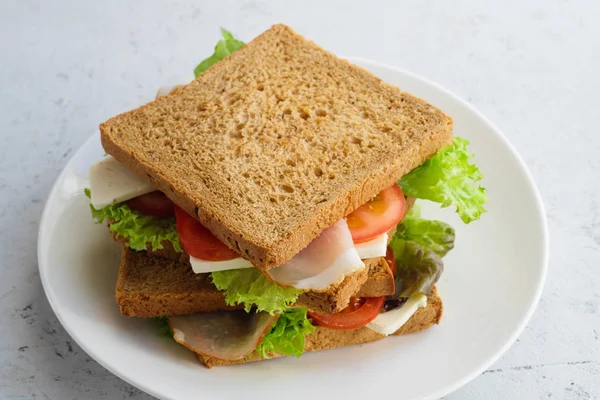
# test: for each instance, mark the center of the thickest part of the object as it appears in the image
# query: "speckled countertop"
(530, 66)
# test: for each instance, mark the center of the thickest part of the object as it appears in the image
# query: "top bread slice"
(276, 142)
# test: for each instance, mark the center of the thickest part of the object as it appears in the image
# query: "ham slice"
(324, 262)
(226, 335)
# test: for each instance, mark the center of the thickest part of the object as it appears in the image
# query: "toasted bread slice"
(337, 297)
(150, 286)
(375, 280)
(380, 282)
(276, 142)
(325, 338)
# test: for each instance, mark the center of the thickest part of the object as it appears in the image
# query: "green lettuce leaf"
(286, 337)
(417, 269)
(250, 287)
(433, 235)
(163, 326)
(223, 48)
(449, 179)
(138, 229)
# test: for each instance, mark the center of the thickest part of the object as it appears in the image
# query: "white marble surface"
(531, 66)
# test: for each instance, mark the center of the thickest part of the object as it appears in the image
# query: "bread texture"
(375, 280)
(380, 282)
(337, 297)
(150, 286)
(325, 338)
(275, 143)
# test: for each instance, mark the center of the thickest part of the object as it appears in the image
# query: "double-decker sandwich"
(266, 208)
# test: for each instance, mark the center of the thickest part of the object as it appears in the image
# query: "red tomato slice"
(198, 241)
(358, 314)
(378, 215)
(155, 204)
(391, 259)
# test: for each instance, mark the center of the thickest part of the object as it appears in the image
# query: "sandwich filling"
(270, 323)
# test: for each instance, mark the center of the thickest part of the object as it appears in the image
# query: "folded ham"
(324, 262)
(226, 335)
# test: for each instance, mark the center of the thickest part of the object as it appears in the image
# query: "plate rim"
(42, 265)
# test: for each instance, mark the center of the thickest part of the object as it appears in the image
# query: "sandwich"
(267, 208)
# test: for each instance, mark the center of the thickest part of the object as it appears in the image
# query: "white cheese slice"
(204, 267)
(389, 322)
(373, 248)
(111, 182)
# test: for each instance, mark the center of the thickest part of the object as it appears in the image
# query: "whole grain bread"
(381, 280)
(375, 280)
(337, 297)
(276, 142)
(150, 286)
(325, 338)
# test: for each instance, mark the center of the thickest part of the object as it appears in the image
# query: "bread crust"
(375, 280)
(267, 170)
(150, 286)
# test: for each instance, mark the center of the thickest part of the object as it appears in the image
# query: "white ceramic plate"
(491, 284)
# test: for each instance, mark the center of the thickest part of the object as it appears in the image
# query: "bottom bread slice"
(325, 338)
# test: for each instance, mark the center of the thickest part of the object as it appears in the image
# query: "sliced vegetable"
(358, 314)
(198, 241)
(137, 229)
(250, 287)
(223, 48)
(163, 327)
(449, 179)
(390, 259)
(417, 269)
(287, 336)
(226, 335)
(378, 215)
(433, 235)
(153, 204)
